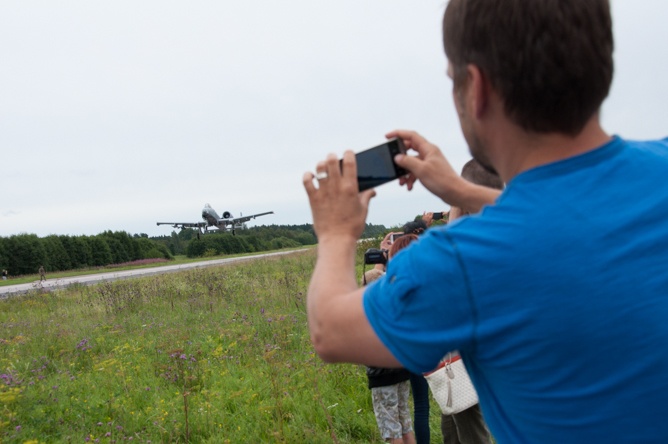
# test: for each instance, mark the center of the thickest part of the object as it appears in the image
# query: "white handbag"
(451, 386)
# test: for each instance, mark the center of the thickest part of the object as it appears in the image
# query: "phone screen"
(376, 166)
(437, 215)
(395, 236)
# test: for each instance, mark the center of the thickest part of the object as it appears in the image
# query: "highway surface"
(91, 279)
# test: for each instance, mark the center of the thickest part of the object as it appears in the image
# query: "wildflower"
(18, 428)
(83, 345)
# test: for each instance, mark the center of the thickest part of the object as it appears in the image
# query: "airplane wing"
(184, 224)
(242, 219)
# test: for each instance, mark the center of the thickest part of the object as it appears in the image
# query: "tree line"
(24, 253)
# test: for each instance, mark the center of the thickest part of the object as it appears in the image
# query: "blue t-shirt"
(556, 298)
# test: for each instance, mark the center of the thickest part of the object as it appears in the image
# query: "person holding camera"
(378, 257)
(389, 386)
(436, 217)
(419, 385)
(540, 306)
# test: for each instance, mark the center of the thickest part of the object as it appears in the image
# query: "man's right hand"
(434, 171)
(430, 165)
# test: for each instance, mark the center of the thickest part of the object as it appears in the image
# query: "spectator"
(417, 227)
(436, 218)
(540, 306)
(419, 385)
(468, 426)
(389, 394)
(4, 274)
(385, 245)
(42, 273)
(477, 174)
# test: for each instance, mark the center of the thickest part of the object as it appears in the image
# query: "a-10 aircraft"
(212, 220)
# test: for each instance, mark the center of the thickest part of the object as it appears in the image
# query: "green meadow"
(214, 355)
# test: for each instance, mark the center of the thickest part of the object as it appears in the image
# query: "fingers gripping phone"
(376, 166)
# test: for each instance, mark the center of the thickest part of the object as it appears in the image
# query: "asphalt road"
(91, 279)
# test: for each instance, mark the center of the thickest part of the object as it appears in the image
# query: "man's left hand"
(338, 209)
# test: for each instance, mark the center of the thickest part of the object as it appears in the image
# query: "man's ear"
(478, 90)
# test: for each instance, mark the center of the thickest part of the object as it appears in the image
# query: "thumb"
(365, 197)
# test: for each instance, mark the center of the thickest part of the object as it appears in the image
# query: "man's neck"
(520, 151)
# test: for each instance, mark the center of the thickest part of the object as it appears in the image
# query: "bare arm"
(455, 213)
(339, 329)
(434, 171)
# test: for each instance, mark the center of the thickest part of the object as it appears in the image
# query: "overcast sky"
(115, 115)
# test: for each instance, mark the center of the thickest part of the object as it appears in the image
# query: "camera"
(376, 166)
(437, 215)
(395, 236)
(374, 256)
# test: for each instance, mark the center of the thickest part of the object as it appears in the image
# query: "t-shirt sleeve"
(422, 308)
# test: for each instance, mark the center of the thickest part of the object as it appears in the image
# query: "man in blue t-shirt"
(556, 293)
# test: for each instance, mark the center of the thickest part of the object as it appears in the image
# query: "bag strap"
(447, 359)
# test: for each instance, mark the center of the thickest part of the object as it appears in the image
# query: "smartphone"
(437, 215)
(395, 236)
(376, 166)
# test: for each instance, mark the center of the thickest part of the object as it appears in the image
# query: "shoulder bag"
(451, 386)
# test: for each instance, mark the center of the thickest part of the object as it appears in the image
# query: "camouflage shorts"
(390, 404)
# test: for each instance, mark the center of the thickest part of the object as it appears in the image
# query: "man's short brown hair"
(550, 60)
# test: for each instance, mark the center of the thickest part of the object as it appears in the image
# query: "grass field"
(210, 355)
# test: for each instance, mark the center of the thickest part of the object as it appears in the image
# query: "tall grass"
(215, 355)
